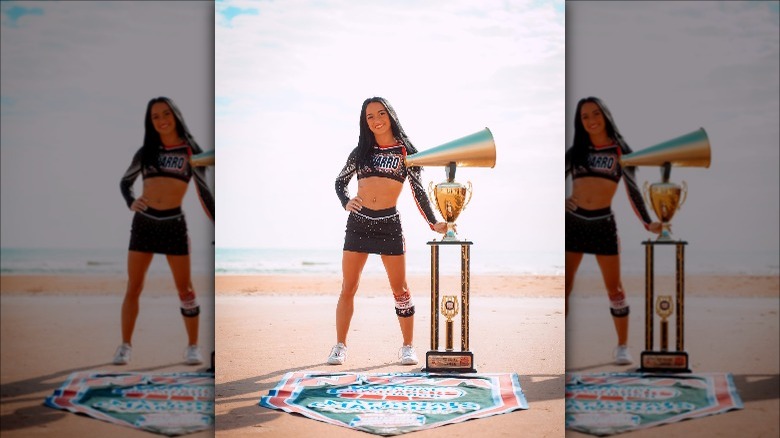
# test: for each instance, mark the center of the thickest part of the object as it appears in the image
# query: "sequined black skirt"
(375, 232)
(592, 232)
(160, 231)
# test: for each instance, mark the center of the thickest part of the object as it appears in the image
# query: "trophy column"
(449, 360)
(664, 360)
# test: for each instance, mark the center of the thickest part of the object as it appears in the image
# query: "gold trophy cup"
(450, 198)
(665, 198)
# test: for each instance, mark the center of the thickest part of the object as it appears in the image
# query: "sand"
(269, 325)
(731, 325)
(54, 325)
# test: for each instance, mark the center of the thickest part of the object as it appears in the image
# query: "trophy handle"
(684, 194)
(469, 192)
(432, 193)
(644, 192)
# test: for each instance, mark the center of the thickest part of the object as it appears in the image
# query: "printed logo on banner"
(395, 403)
(610, 403)
(169, 404)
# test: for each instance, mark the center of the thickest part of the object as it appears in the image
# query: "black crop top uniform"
(595, 231)
(165, 231)
(379, 231)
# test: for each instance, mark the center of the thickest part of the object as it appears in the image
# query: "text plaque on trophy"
(449, 360)
(664, 360)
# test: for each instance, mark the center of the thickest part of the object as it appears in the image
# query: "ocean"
(253, 261)
(60, 261)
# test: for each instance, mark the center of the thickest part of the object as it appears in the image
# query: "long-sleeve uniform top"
(387, 162)
(604, 162)
(173, 162)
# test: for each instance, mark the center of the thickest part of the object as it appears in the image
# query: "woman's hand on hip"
(139, 204)
(354, 204)
(440, 227)
(571, 204)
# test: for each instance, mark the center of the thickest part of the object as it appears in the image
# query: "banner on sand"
(395, 403)
(611, 403)
(168, 404)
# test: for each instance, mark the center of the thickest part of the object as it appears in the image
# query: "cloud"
(667, 68)
(12, 13)
(228, 13)
(290, 81)
(75, 82)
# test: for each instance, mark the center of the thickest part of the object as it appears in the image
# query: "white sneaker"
(622, 356)
(338, 354)
(407, 355)
(122, 355)
(192, 355)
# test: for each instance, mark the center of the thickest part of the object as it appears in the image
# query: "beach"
(267, 325)
(270, 325)
(54, 325)
(731, 326)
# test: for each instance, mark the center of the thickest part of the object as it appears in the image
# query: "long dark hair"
(367, 141)
(152, 141)
(581, 143)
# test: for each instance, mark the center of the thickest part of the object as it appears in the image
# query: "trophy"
(689, 150)
(450, 198)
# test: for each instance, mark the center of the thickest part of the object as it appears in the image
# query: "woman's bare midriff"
(378, 193)
(592, 193)
(164, 193)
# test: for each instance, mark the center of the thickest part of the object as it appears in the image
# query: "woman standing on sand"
(594, 164)
(374, 225)
(158, 224)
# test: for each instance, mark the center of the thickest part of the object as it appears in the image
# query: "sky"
(290, 80)
(668, 68)
(76, 78)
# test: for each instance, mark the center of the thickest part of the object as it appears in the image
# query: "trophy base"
(449, 362)
(664, 362)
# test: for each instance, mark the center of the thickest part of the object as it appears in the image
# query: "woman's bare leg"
(137, 265)
(352, 264)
